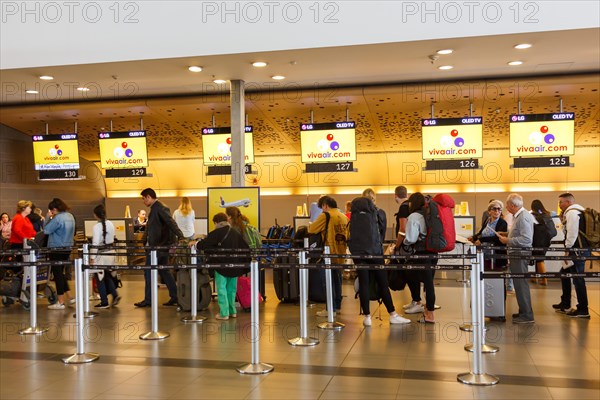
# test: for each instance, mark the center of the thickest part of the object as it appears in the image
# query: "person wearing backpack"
(221, 238)
(573, 223)
(520, 235)
(543, 232)
(416, 232)
(366, 239)
(334, 233)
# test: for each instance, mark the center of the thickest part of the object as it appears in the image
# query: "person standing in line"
(412, 281)
(104, 235)
(368, 245)
(416, 231)
(36, 218)
(139, 223)
(571, 216)
(60, 228)
(347, 211)
(519, 235)
(21, 227)
(161, 230)
(543, 218)
(184, 216)
(336, 235)
(221, 238)
(5, 224)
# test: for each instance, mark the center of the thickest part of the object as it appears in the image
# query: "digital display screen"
(123, 149)
(331, 142)
(542, 135)
(452, 138)
(55, 152)
(216, 146)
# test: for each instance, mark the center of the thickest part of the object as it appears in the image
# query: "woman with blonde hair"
(184, 216)
(21, 228)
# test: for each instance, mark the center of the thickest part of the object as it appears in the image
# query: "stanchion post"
(331, 324)
(255, 367)
(193, 317)
(477, 377)
(86, 284)
(33, 329)
(468, 327)
(154, 334)
(80, 356)
(303, 339)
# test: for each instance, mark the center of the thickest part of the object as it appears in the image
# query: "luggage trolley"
(15, 283)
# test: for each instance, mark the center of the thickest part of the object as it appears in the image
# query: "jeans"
(579, 283)
(106, 285)
(165, 274)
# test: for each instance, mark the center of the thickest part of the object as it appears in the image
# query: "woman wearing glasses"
(487, 234)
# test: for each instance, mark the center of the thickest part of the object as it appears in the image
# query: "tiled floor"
(557, 358)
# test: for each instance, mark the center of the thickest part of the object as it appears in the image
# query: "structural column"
(238, 125)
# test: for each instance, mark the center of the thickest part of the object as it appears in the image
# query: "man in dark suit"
(161, 230)
(520, 235)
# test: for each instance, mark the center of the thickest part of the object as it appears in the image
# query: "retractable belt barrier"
(475, 258)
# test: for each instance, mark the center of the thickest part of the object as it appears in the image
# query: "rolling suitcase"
(286, 282)
(184, 294)
(494, 298)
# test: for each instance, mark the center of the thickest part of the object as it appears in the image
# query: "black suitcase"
(316, 286)
(286, 282)
(184, 294)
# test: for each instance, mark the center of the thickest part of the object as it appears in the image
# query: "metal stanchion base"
(331, 326)
(33, 330)
(154, 335)
(255, 369)
(190, 319)
(469, 378)
(299, 341)
(485, 348)
(81, 358)
(468, 328)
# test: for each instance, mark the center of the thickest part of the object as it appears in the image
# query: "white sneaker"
(367, 320)
(396, 319)
(415, 309)
(324, 313)
(409, 305)
(56, 306)
(72, 301)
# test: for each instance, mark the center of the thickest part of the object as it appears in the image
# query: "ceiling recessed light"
(513, 63)
(445, 67)
(31, 92)
(195, 68)
(83, 89)
(219, 81)
(445, 51)
(523, 46)
(278, 77)
(259, 64)
(46, 77)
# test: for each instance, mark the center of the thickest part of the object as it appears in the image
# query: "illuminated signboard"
(123, 150)
(55, 152)
(333, 142)
(542, 135)
(452, 138)
(216, 146)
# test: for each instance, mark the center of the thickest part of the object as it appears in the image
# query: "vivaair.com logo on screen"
(452, 144)
(123, 154)
(541, 141)
(328, 148)
(55, 154)
(224, 152)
